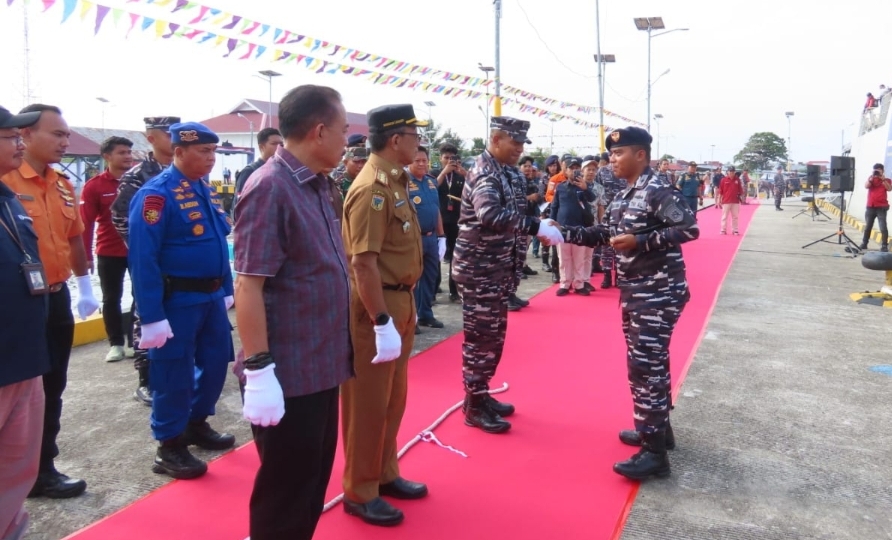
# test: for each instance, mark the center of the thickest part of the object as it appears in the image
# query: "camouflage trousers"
(521, 245)
(648, 332)
(485, 318)
(140, 355)
(608, 255)
(778, 197)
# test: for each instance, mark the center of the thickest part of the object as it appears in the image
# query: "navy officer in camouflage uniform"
(612, 185)
(160, 157)
(485, 262)
(646, 225)
(780, 187)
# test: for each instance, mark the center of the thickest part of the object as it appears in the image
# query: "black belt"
(400, 288)
(202, 285)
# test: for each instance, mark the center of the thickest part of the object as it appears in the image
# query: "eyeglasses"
(16, 139)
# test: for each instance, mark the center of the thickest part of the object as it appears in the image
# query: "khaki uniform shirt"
(380, 217)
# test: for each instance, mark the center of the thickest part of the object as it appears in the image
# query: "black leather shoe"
(527, 271)
(144, 395)
(454, 299)
(403, 489)
(589, 287)
(651, 460)
(501, 409)
(608, 280)
(478, 415)
(174, 459)
(375, 512)
(430, 323)
(202, 435)
(582, 291)
(55, 485)
(514, 299)
(562, 292)
(514, 307)
(633, 438)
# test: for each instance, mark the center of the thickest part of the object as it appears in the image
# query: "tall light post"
(104, 103)
(497, 4)
(789, 115)
(486, 71)
(430, 119)
(251, 124)
(602, 59)
(658, 117)
(269, 74)
(712, 153)
(485, 119)
(649, 24)
(551, 150)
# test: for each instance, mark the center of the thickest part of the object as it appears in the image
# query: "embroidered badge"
(399, 203)
(198, 229)
(431, 185)
(189, 136)
(377, 201)
(614, 136)
(180, 197)
(195, 215)
(396, 195)
(416, 200)
(152, 206)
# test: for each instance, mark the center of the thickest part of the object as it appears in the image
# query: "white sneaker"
(115, 354)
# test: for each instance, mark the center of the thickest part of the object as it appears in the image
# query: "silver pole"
(601, 68)
(498, 5)
(649, 28)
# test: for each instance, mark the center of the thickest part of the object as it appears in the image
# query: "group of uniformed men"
(368, 253)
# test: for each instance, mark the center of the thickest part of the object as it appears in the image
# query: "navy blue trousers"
(426, 288)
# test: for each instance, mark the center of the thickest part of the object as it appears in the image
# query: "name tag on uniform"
(399, 203)
(23, 197)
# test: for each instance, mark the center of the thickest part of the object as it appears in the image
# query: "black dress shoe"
(55, 485)
(202, 435)
(455, 299)
(403, 489)
(375, 512)
(430, 323)
(144, 395)
(527, 271)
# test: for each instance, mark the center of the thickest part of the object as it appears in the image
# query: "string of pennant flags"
(244, 49)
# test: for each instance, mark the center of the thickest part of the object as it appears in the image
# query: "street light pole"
(789, 115)
(551, 150)
(486, 71)
(649, 24)
(602, 60)
(269, 74)
(498, 103)
(658, 117)
(430, 119)
(251, 124)
(712, 153)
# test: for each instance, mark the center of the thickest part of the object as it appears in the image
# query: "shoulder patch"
(151, 208)
(377, 201)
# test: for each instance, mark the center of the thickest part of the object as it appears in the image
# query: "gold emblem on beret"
(189, 136)
(614, 136)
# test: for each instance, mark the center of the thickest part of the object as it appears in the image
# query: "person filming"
(877, 206)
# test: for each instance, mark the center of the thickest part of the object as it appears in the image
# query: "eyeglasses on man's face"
(15, 139)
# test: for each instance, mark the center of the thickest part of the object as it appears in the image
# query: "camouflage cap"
(516, 129)
(160, 122)
(356, 152)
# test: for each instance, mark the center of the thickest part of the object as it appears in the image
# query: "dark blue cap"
(188, 133)
(605, 156)
(629, 136)
(552, 159)
(357, 139)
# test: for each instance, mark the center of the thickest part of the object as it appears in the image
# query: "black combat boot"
(478, 415)
(608, 279)
(202, 435)
(514, 299)
(633, 438)
(143, 393)
(174, 459)
(651, 460)
(499, 408)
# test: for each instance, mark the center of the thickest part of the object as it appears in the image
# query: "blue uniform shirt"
(426, 198)
(178, 228)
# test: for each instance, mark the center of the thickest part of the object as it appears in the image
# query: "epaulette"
(63, 175)
(381, 177)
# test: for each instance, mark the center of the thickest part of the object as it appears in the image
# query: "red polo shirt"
(96, 199)
(730, 190)
(876, 193)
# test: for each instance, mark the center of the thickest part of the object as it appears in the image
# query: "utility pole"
(498, 105)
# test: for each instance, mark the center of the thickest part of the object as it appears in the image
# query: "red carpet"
(549, 477)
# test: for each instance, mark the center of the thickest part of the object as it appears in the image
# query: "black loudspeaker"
(842, 170)
(813, 175)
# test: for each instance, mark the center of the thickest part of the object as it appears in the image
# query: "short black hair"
(266, 133)
(41, 108)
(423, 149)
(378, 141)
(879, 166)
(646, 148)
(525, 159)
(108, 145)
(306, 106)
(448, 148)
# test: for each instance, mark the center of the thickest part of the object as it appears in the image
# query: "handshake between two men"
(551, 233)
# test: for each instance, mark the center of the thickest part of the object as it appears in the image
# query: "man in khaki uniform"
(382, 239)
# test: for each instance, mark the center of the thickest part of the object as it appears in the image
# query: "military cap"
(357, 139)
(731, 168)
(356, 152)
(629, 136)
(605, 156)
(160, 122)
(516, 129)
(393, 116)
(574, 161)
(188, 133)
(780, 167)
(9, 120)
(590, 159)
(692, 164)
(566, 157)
(552, 159)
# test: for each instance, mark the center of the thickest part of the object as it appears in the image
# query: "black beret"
(629, 136)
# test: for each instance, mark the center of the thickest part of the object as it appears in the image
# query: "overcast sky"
(739, 68)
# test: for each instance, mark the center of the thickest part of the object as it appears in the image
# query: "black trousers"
(111, 279)
(451, 232)
(296, 459)
(59, 336)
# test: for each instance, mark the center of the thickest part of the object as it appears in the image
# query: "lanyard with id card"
(35, 277)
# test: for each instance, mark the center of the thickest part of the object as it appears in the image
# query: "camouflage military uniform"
(486, 261)
(120, 212)
(612, 185)
(652, 283)
(780, 189)
(521, 242)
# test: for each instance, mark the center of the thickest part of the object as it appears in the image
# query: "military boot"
(478, 415)
(651, 460)
(499, 408)
(608, 279)
(174, 459)
(143, 393)
(202, 435)
(633, 438)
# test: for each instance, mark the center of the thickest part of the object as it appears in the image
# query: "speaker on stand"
(842, 179)
(813, 181)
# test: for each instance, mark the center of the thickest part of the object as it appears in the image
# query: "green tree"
(669, 157)
(761, 150)
(477, 147)
(540, 155)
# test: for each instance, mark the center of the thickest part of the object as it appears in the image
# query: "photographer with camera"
(877, 205)
(450, 182)
(571, 207)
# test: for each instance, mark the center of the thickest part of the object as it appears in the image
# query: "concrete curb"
(89, 331)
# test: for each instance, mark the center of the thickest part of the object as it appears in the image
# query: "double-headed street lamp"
(430, 119)
(269, 74)
(649, 24)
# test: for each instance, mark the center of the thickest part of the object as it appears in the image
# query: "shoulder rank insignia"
(151, 208)
(381, 177)
(377, 201)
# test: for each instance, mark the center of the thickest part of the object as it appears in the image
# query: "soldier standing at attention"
(382, 240)
(179, 263)
(160, 157)
(689, 184)
(485, 264)
(653, 290)
(612, 185)
(780, 187)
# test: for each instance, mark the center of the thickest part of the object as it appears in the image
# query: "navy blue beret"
(188, 133)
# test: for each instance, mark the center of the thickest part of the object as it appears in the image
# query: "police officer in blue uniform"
(424, 195)
(179, 261)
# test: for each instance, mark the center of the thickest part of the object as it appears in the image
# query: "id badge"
(35, 278)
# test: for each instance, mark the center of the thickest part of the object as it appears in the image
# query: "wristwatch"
(381, 319)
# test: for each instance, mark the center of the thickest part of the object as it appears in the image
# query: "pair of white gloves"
(549, 233)
(156, 334)
(264, 400)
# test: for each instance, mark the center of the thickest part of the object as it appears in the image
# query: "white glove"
(387, 343)
(155, 335)
(86, 302)
(229, 301)
(550, 233)
(441, 247)
(264, 401)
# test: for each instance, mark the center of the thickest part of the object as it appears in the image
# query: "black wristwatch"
(381, 319)
(258, 361)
